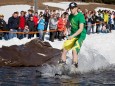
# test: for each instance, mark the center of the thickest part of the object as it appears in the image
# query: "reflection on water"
(25, 76)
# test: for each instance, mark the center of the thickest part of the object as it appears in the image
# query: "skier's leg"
(68, 44)
(75, 51)
(75, 56)
(64, 55)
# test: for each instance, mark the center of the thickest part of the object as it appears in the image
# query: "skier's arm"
(78, 32)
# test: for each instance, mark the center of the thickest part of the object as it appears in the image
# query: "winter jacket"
(13, 23)
(93, 19)
(35, 20)
(98, 19)
(46, 17)
(3, 25)
(106, 17)
(31, 25)
(61, 24)
(41, 24)
(53, 23)
(22, 22)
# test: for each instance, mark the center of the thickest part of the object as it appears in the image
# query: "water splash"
(89, 60)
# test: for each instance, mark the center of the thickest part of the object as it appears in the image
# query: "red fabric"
(35, 20)
(61, 24)
(22, 22)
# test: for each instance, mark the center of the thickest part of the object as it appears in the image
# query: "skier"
(77, 36)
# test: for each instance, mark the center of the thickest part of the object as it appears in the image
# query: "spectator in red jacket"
(22, 22)
(36, 19)
(61, 27)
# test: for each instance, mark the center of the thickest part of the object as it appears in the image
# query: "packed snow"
(8, 10)
(62, 5)
(102, 8)
(96, 45)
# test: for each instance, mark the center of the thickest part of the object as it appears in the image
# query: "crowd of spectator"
(103, 20)
(24, 24)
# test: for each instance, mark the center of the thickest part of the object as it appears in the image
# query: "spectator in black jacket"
(3, 28)
(13, 24)
(46, 16)
(31, 26)
(93, 21)
(98, 22)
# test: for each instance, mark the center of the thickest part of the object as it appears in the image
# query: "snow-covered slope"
(104, 9)
(62, 5)
(8, 10)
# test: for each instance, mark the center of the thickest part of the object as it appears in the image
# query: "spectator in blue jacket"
(41, 24)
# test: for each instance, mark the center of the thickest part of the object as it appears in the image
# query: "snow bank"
(104, 44)
(102, 8)
(8, 10)
(14, 41)
(62, 5)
